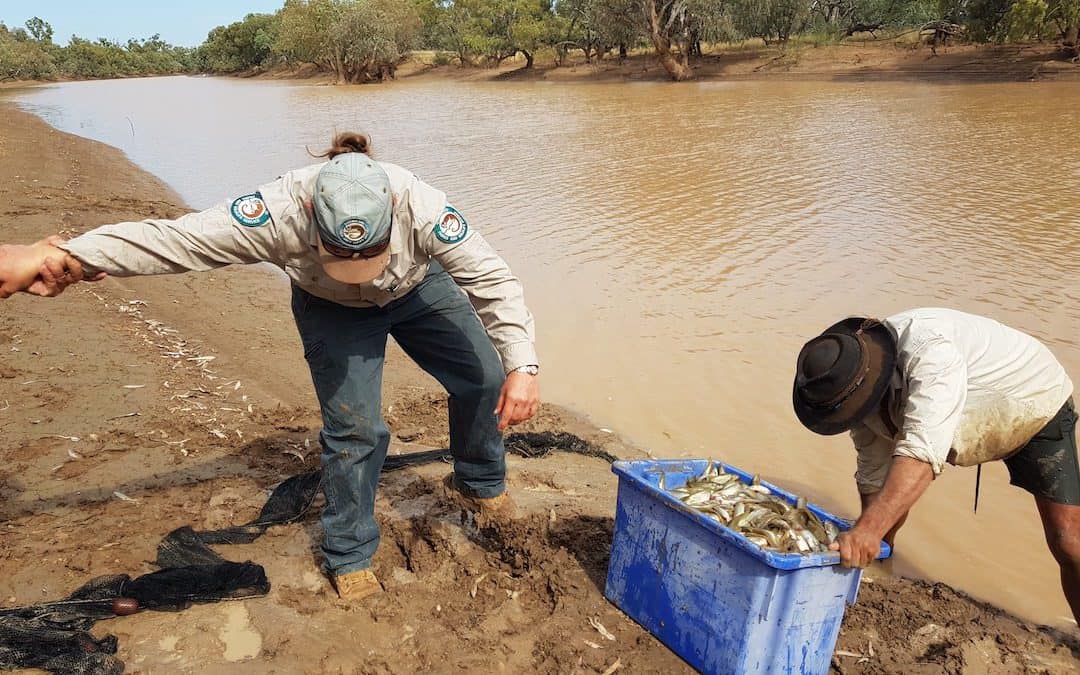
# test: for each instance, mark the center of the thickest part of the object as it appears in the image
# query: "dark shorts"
(1047, 466)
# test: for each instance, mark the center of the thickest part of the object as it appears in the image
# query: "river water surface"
(679, 243)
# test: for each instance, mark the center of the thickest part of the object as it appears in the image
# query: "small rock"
(410, 434)
(226, 496)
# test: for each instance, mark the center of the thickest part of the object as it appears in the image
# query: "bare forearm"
(885, 511)
(890, 536)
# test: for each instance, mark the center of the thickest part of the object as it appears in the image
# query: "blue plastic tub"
(720, 602)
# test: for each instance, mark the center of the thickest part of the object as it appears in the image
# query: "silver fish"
(754, 511)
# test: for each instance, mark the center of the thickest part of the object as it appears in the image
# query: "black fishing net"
(54, 637)
(533, 445)
(530, 445)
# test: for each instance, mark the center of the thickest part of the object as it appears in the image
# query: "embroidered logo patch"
(353, 231)
(250, 210)
(451, 227)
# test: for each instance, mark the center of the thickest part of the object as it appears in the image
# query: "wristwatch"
(531, 369)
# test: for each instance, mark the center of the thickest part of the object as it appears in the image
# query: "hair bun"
(346, 142)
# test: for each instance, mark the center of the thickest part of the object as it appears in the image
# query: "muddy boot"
(356, 586)
(488, 510)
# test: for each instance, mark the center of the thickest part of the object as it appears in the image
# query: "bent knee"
(354, 432)
(1065, 546)
(484, 384)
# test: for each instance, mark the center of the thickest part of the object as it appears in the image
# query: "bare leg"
(1061, 522)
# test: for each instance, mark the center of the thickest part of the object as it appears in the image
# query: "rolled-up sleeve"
(874, 458)
(495, 293)
(936, 376)
(197, 241)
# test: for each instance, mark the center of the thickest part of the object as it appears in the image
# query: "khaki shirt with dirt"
(967, 390)
(237, 231)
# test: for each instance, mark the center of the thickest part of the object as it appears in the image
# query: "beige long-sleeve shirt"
(967, 390)
(237, 231)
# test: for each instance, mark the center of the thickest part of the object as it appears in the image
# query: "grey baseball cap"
(353, 208)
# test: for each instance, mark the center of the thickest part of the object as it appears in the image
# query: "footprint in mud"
(241, 640)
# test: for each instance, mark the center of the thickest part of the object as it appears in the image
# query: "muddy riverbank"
(124, 368)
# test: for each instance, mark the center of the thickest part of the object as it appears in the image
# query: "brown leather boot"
(487, 509)
(356, 586)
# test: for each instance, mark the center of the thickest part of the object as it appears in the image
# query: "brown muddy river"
(678, 243)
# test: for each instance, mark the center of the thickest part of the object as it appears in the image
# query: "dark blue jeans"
(345, 348)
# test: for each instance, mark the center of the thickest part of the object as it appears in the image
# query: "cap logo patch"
(354, 230)
(250, 210)
(451, 227)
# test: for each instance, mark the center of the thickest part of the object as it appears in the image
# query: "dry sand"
(120, 367)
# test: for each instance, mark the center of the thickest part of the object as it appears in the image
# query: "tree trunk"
(674, 63)
(1070, 39)
(694, 48)
(622, 51)
(339, 69)
(528, 58)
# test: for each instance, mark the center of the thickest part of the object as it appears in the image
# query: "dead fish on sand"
(755, 512)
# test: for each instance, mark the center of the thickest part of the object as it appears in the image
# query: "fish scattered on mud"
(755, 512)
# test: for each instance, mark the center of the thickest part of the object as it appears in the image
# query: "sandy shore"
(849, 61)
(110, 389)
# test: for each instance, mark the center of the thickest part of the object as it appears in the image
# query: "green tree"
(770, 20)
(597, 26)
(39, 30)
(22, 58)
(98, 59)
(459, 28)
(1024, 20)
(1035, 19)
(378, 36)
(519, 26)
(494, 30)
(845, 14)
(241, 45)
(431, 14)
(357, 40)
(1065, 14)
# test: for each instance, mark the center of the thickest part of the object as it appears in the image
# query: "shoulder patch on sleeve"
(451, 226)
(250, 210)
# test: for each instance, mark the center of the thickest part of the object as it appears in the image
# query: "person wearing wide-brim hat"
(930, 387)
(371, 251)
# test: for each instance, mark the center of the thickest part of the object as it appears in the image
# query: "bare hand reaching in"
(40, 269)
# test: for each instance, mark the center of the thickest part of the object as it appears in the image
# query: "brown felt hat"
(843, 374)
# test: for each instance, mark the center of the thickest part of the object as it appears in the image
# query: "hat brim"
(881, 347)
(349, 271)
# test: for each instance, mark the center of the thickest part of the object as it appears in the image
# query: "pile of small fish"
(755, 513)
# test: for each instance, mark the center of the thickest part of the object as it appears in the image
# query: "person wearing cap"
(371, 251)
(930, 387)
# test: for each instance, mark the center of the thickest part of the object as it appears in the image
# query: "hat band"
(373, 251)
(849, 391)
